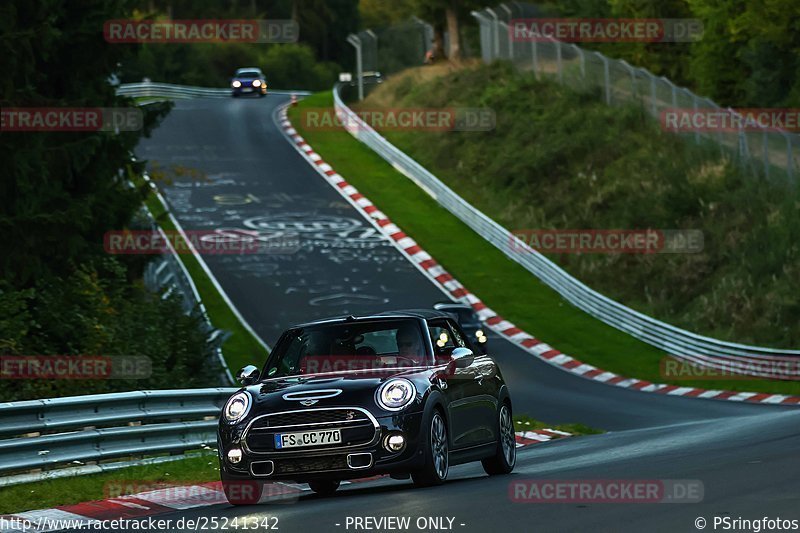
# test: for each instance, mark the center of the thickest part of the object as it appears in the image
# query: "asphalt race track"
(245, 177)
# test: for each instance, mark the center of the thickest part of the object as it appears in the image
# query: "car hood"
(355, 387)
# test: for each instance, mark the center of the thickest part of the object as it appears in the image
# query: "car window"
(249, 74)
(443, 339)
(342, 346)
(458, 339)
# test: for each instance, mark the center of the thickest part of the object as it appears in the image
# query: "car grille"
(310, 417)
(356, 426)
(311, 464)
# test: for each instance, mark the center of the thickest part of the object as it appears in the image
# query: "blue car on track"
(248, 80)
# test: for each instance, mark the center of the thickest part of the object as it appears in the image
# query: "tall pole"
(356, 42)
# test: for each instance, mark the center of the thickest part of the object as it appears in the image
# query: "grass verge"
(199, 468)
(526, 423)
(501, 283)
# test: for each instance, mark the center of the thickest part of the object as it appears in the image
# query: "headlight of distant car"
(236, 83)
(396, 394)
(481, 336)
(237, 407)
(256, 83)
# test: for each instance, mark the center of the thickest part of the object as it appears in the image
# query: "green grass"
(240, 348)
(502, 284)
(199, 468)
(526, 423)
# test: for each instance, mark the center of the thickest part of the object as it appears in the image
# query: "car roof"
(246, 69)
(424, 314)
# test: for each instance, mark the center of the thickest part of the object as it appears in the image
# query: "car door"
(482, 390)
(466, 403)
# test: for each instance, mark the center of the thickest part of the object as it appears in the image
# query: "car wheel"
(235, 95)
(262, 95)
(502, 462)
(324, 487)
(437, 460)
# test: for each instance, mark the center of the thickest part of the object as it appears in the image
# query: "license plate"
(307, 438)
(247, 90)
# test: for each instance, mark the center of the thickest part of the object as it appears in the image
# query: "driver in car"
(409, 344)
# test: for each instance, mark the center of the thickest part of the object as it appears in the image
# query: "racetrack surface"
(246, 176)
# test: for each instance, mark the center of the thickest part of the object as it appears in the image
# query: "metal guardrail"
(73, 429)
(168, 90)
(673, 340)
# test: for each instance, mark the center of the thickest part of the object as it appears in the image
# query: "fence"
(768, 151)
(49, 433)
(669, 338)
(394, 48)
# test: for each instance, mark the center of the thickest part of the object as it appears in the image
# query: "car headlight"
(236, 83)
(395, 394)
(479, 333)
(256, 83)
(237, 407)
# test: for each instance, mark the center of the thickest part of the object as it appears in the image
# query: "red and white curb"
(445, 281)
(526, 438)
(178, 498)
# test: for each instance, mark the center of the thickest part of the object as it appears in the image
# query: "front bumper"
(243, 91)
(338, 462)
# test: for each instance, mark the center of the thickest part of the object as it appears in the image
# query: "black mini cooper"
(399, 393)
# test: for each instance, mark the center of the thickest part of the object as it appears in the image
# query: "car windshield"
(348, 346)
(248, 74)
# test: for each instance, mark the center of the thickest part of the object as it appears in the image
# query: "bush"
(96, 311)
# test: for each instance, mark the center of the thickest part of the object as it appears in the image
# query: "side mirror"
(462, 357)
(248, 375)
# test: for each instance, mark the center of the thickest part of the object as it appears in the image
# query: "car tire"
(235, 95)
(505, 456)
(262, 95)
(324, 487)
(437, 459)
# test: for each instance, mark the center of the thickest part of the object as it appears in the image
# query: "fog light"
(234, 456)
(394, 442)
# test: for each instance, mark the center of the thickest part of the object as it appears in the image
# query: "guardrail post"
(582, 60)
(653, 97)
(559, 65)
(606, 76)
(495, 32)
